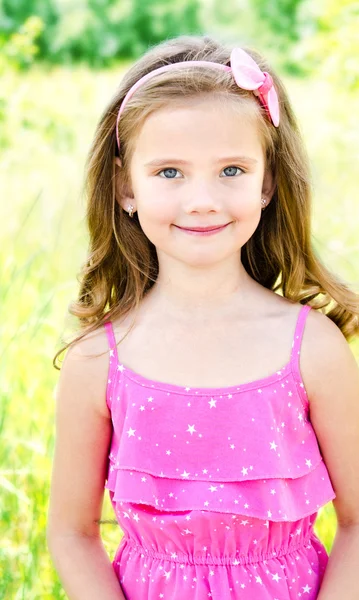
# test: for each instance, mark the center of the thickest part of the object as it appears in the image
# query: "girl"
(220, 414)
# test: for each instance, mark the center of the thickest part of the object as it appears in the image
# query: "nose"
(202, 197)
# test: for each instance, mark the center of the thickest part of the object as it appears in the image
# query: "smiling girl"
(211, 388)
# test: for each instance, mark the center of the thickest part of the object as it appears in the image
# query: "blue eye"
(233, 167)
(169, 169)
(172, 170)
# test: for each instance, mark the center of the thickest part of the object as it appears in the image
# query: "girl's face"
(200, 163)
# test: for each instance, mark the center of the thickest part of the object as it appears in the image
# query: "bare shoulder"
(325, 352)
(331, 375)
(86, 366)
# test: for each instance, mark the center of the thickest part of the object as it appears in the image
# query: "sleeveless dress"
(216, 489)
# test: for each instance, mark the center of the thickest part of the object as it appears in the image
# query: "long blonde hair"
(122, 263)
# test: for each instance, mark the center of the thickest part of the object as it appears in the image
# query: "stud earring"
(130, 210)
(263, 202)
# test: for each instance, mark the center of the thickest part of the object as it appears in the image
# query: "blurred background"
(60, 63)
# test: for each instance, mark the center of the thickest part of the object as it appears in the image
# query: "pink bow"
(248, 76)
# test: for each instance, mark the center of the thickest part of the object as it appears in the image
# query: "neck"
(201, 293)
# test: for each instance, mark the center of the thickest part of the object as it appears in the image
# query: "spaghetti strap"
(112, 370)
(111, 339)
(296, 344)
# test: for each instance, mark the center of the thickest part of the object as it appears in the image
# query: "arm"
(333, 390)
(83, 434)
(341, 576)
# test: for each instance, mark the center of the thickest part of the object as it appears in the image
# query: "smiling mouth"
(209, 228)
(203, 231)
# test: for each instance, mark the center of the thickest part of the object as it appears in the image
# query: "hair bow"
(248, 76)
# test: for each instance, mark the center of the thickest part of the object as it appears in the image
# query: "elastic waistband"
(178, 557)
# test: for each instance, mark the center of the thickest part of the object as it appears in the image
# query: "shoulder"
(325, 355)
(331, 377)
(85, 368)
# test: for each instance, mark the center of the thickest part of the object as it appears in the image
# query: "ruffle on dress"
(252, 453)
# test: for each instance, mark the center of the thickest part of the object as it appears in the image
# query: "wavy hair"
(122, 263)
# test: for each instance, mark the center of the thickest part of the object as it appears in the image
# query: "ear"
(269, 186)
(124, 195)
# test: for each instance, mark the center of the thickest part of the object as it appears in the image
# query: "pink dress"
(216, 489)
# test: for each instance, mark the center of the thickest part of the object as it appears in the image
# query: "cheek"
(245, 206)
(158, 209)
(156, 217)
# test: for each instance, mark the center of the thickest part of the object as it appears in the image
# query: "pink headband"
(246, 74)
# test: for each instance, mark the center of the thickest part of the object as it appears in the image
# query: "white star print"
(212, 403)
(273, 446)
(184, 474)
(308, 462)
(131, 432)
(191, 429)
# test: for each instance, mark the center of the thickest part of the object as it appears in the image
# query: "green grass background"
(44, 136)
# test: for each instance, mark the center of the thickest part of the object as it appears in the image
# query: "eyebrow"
(159, 162)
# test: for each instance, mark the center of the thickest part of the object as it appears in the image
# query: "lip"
(203, 231)
(199, 229)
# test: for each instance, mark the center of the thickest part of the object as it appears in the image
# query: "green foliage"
(334, 48)
(280, 18)
(98, 31)
(19, 50)
(300, 35)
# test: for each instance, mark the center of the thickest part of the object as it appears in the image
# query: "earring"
(263, 202)
(130, 211)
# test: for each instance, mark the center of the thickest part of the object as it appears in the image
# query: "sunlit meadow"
(48, 118)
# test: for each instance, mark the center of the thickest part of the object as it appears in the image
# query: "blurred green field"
(48, 119)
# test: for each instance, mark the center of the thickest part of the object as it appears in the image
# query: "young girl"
(220, 414)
